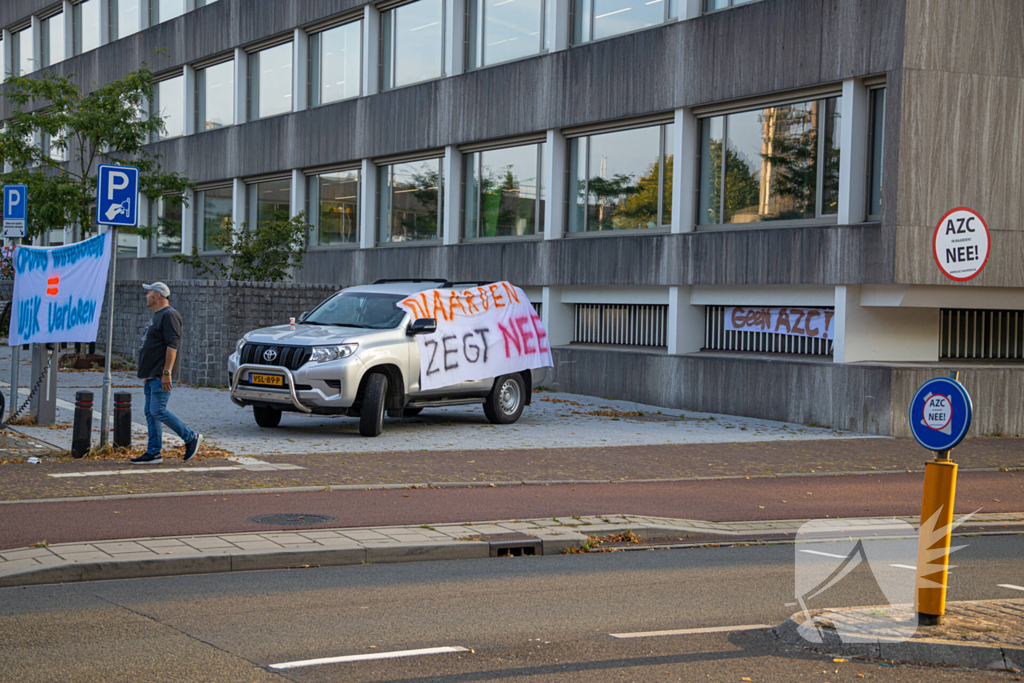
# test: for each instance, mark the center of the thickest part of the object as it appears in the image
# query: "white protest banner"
(58, 292)
(482, 332)
(814, 323)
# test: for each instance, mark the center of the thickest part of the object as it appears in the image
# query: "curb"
(913, 651)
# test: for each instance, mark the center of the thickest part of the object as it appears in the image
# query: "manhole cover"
(292, 519)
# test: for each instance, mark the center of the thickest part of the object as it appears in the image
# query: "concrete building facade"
(664, 182)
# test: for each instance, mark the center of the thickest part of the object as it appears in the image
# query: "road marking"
(368, 656)
(1011, 586)
(690, 631)
(818, 552)
(903, 566)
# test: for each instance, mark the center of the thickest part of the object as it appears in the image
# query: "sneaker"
(147, 459)
(192, 446)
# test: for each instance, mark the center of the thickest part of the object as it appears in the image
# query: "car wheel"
(267, 417)
(371, 421)
(411, 412)
(505, 403)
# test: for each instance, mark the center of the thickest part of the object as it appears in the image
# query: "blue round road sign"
(940, 414)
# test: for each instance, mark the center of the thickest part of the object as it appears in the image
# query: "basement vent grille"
(971, 334)
(643, 325)
(717, 338)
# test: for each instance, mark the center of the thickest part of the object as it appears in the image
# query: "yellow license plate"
(267, 380)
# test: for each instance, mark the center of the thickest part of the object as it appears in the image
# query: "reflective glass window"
(55, 146)
(213, 209)
(410, 201)
(713, 5)
(127, 243)
(877, 151)
(169, 103)
(3, 62)
(596, 19)
(164, 10)
(85, 19)
(412, 40)
(124, 18)
(334, 208)
(51, 35)
(504, 192)
(621, 180)
(215, 96)
(270, 82)
(335, 60)
(502, 30)
(771, 164)
(21, 52)
(168, 217)
(269, 200)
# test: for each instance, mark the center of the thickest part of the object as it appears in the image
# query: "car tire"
(506, 401)
(411, 412)
(371, 420)
(267, 417)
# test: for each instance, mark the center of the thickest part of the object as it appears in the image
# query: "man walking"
(159, 369)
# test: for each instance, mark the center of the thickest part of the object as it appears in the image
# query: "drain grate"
(292, 519)
(513, 544)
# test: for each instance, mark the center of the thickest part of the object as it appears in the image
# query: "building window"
(502, 30)
(213, 209)
(269, 200)
(621, 180)
(21, 53)
(334, 208)
(85, 19)
(124, 18)
(505, 192)
(55, 147)
(714, 5)
(780, 163)
(127, 243)
(3, 62)
(335, 63)
(877, 147)
(410, 201)
(168, 225)
(215, 96)
(204, 3)
(169, 103)
(51, 40)
(412, 43)
(597, 19)
(270, 82)
(164, 10)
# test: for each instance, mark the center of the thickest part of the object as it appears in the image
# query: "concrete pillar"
(189, 78)
(104, 22)
(554, 180)
(562, 17)
(241, 86)
(452, 194)
(690, 9)
(684, 170)
(371, 50)
(853, 157)
(142, 247)
(878, 333)
(558, 318)
(298, 193)
(188, 222)
(455, 37)
(368, 180)
(238, 200)
(36, 29)
(300, 70)
(685, 322)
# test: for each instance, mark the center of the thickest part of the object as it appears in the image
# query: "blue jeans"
(157, 413)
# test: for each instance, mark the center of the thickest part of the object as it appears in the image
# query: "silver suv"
(356, 354)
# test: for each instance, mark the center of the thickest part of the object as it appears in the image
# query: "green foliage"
(263, 254)
(108, 125)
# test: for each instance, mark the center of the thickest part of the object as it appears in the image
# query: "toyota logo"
(269, 355)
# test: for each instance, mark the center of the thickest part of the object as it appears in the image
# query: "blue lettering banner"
(58, 292)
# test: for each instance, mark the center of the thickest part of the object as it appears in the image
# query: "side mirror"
(422, 326)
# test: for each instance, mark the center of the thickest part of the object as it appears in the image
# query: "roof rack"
(468, 283)
(386, 281)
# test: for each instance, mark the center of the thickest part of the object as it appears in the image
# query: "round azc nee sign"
(961, 244)
(940, 414)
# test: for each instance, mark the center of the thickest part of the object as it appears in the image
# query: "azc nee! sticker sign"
(961, 244)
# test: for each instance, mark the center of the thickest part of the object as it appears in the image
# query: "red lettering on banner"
(811, 315)
(456, 301)
(799, 319)
(499, 301)
(541, 334)
(783, 320)
(737, 317)
(414, 305)
(469, 296)
(525, 335)
(511, 292)
(439, 304)
(828, 321)
(511, 336)
(485, 300)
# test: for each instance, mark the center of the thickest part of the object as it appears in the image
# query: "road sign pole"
(15, 356)
(105, 418)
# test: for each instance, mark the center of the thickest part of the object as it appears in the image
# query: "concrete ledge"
(459, 550)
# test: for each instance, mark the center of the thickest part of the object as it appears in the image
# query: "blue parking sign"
(117, 196)
(15, 203)
(940, 414)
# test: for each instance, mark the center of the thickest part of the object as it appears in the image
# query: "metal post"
(15, 353)
(105, 419)
(122, 420)
(81, 435)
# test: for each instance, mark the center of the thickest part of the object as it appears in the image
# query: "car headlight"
(322, 354)
(241, 343)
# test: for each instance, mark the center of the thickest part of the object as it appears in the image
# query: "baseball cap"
(159, 288)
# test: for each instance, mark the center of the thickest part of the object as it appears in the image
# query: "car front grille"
(291, 357)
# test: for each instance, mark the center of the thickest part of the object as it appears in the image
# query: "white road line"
(903, 566)
(368, 656)
(1010, 586)
(689, 631)
(818, 552)
(104, 473)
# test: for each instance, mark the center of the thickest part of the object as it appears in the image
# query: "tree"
(108, 125)
(264, 253)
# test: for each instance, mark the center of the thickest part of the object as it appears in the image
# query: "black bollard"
(122, 419)
(81, 434)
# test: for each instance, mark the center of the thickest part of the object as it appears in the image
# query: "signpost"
(940, 415)
(961, 244)
(117, 205)
(15, 218)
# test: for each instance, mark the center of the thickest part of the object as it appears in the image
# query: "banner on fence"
(58, 292)
(482, 332)
(814, 323)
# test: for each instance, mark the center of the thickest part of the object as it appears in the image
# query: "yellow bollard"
(934, 540)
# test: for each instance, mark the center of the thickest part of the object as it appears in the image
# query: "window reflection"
(124, 18)
(336, 63)
(596, 19)
(214, 208)
(413, 43)
(410, 201)
(269, 200)
(215, 86)
(168, 213)
(86, 21)
(712, 5)
(504, 196)
(163, 10)
(169, 103)
(22, 47)
(334, 204)
(270, 81)
(51, 48)
(502, 30)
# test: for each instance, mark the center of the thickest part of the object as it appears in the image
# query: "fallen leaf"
(840, 659)
(761, 506)
(745, 679)
(405, 495)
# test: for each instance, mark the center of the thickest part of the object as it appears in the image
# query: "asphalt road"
(805, 497)
(532, 619)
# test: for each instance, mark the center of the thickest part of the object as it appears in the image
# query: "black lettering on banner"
(482, 331)
(433, 357)
(449, 352)
(466, 346)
